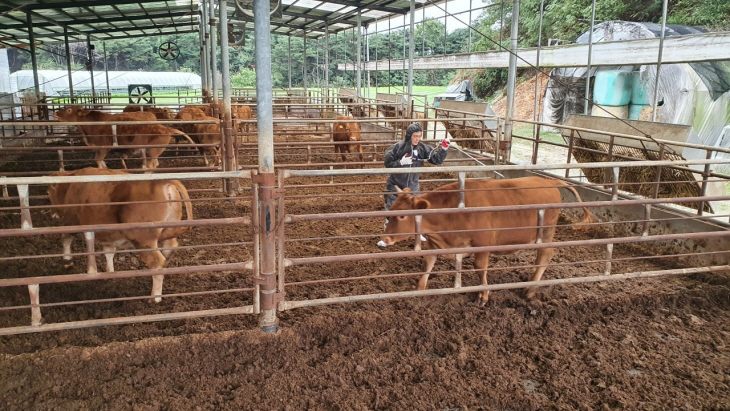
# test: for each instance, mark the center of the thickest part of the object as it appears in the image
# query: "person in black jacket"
(409, 153)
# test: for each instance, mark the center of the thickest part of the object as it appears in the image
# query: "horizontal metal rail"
(65, 278)
(504, 248)
(124, 177)
(73, 325)
(487, 168)
(288, 305)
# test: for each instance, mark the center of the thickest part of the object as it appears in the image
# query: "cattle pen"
(282, 229)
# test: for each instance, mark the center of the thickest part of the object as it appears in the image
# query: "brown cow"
(167, 205)
(203, 134)
(161, 113)
(494, 228)
(127, 135)
(241, 112)
(202, 107)
(346, 132)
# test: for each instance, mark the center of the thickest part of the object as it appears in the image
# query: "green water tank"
(612, 87)
(639, 89)
(635, 110)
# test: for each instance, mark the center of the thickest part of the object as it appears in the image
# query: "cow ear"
(83, 112)
(420, 204)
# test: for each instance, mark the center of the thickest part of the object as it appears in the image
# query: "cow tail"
(184, 194)
(588, 217)
(180, 133)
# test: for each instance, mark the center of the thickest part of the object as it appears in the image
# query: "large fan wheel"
(140, 95)
(168, 51)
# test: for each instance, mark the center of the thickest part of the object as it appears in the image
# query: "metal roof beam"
(359, 5)
(102, 20)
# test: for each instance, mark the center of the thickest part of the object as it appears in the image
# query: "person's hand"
(445, 143)
(406, 160)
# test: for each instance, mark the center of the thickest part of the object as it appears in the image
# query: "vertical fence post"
(60, 160)
(419, 220)
(705, 177)
(609, 256)
(25, 220)
(658, 177)
(35, 309)
(535, 144)
(457, 275)
(614, 189)
(570, 152)
(462, 184)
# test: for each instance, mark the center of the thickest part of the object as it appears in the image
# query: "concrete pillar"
(659, 62)
(358, 84)
(91, 68)
(411, 50)
(590, 56)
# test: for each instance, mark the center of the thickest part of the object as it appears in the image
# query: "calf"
(127, 135)
(482, 229)
(346, 132)
(162, 202)
(241, 112)
(204, 134)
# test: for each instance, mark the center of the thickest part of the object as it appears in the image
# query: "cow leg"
(481, 261)
(362, 157)
(99, 157)
(67, 259)
(544, 255)
(154, 261)
(429, 262)
(109, 254)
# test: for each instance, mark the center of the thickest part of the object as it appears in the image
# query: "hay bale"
(638, 180)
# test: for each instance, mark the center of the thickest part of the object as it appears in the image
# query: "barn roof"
(112, 19)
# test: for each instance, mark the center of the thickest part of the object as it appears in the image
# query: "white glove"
(406, 160)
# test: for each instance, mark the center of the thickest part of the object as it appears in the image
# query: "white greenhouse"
(55, 82)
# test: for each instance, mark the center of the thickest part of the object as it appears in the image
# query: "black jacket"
(420, 153)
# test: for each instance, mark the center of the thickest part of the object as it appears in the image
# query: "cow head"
(165, 114)
(402, 227)
(70, 113)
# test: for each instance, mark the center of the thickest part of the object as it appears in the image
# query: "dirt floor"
(640, 344)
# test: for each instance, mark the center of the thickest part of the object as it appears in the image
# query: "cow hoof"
(483, 298)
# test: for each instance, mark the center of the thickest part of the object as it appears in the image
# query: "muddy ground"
(639, 344)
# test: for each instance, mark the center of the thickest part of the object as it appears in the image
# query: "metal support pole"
(590, 55)
(265, 122)
(213, 58)
(106, 71)
(203, 73)
(536, 127)
(68, 64)
(511, 80)
(204, 52)
(231, 163)
(33, 58)
(659, 61)
(411, 50)
(367, 58)
(327, 59)
(470, 7)
(358, 84)
(304, 68)
(91, 68)
(288, 53)
(446, 14)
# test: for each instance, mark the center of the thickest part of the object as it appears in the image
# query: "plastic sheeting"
(694, 94)
(55, 82)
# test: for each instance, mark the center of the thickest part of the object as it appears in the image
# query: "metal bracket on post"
(89, 238)
(60, 160)
(35, 309)
(114, 133)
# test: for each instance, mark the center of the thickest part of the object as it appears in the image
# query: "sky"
(452, 23)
